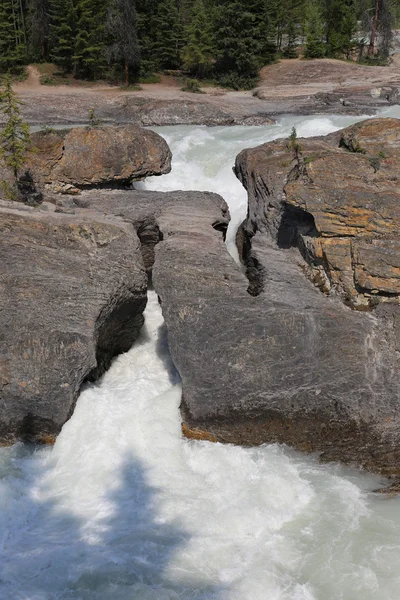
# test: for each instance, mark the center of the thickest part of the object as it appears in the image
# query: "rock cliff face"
(73, 290)
(96, 156)
(338, 200)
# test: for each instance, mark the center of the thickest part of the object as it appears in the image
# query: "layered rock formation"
(338, 200)
(290, 363)
(73, 290)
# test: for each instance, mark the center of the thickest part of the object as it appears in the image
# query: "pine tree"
(315, 47)
(242, 37)
(169, 34)
(90, 41)
(14, 137)
(39, 28)
(198, 53)
(12, 42)
(341, 25)
(62, 34)
(121, 25)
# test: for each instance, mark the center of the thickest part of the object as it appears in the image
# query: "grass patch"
(133, 87)
(149, 78)
(192, 86)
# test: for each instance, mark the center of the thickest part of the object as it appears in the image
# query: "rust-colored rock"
(339, 201)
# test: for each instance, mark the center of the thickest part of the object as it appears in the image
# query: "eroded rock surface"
(289, 365)
(94, 156)
(73, 290)
(338, 201)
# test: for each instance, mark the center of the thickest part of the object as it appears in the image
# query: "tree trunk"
(126, 74)
(371, 49)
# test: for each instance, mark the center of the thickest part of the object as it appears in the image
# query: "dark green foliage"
(198, 52)
(121, 26)
(224, 40)
(241, 32)
(169, 35)
(90, 46)
(62, 34)
(12, 40)
(39, 29)
(146, 30)
(341, 25)
(15, 140)
(315, 47)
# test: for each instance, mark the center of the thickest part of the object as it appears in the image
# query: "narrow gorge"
(295, 348)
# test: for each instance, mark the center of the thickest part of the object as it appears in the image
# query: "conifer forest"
(224, 40)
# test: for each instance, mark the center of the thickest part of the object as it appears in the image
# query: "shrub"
(237, 82)
(47, 80)
(149, 78)
(193, 86)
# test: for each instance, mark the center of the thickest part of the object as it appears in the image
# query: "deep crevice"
(221, 226)
(295, 223)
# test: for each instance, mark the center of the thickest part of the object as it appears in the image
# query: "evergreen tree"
(90, 41)
(293, 15)
(341, 25)
(39, 27)
(146, 31)
(169, 34)
(121, 25)
(14, 136)
(198, 53)
(242, 37)
(315, 47)
(12, 43)
(62, 34)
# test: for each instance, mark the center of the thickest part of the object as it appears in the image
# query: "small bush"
(293, 144)
(47, 129)
(193, 86)
(374, 61)
(149, 78)
(47, 80)
(133, 87)
(22, 75)
(237, 82)
(94, 120)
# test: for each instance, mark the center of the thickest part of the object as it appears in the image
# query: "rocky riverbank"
(294, 87)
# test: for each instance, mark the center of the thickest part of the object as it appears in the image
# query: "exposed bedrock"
(73, 290)
(338, 200)
(289, 365)
(325, 214)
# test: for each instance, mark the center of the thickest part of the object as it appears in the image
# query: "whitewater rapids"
(124, 508)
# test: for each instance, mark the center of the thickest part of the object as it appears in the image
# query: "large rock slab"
(97, 156)
(289, 365)
(73, 290)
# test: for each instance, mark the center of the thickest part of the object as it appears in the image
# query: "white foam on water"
(124, 508)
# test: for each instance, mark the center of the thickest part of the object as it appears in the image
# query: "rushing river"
(123, 508)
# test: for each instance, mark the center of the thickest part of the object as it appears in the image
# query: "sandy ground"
(288, 77)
